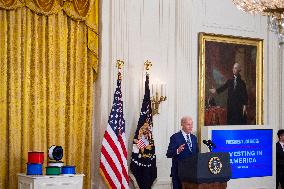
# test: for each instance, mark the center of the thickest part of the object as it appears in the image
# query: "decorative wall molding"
(273, 76)
(217, 17)
(185, 72)
(281, 101)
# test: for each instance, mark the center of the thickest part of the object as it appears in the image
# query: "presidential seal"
(215, 165)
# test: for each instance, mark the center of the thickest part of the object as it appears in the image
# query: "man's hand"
(180, 148)
(213, 91)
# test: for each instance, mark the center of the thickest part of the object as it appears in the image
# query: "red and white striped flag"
(113, 163)
(142, 143)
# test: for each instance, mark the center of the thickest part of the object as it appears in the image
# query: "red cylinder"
(35, 157)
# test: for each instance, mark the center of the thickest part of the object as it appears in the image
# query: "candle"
(165, 89)
(156, 88)
(162, 89)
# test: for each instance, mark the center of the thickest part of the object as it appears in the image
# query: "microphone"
(211, 143)
(205, 142)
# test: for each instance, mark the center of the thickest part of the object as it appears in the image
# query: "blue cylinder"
(67, 170)
(34, 169)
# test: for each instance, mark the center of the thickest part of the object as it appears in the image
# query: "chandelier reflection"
(272, 8)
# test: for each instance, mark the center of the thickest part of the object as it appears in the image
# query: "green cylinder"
(53, 170)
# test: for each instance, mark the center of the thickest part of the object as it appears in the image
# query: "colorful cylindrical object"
(56, 163)
(34, 169)
(53, 170)
(36, 157)
(55, 152)
(68, 170)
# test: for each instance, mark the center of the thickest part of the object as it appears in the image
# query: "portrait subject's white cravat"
(235, 82)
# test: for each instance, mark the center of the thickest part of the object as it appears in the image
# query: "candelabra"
(158, 96)
(156, 101)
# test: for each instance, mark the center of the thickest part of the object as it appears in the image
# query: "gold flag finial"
(119, 65)
(147, 65)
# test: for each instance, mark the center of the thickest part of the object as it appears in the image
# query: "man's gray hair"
(184, 118)
(238, 65)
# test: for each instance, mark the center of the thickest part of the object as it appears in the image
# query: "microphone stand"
(210, 147)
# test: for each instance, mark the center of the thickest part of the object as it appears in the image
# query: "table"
(50, 181)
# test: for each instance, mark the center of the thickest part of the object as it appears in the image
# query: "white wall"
(166, 33)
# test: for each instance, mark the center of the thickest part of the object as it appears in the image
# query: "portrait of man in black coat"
(237, 99)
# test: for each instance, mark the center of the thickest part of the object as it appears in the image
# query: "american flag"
(113, 164)
(142, 143)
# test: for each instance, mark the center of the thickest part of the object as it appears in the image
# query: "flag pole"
(143, 159)
(119, 65)
(115, 173)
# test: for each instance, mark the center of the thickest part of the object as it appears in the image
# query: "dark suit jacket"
(279, 158)
(176, 140)
(236, 99)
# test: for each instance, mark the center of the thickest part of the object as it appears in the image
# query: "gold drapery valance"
(81, 10)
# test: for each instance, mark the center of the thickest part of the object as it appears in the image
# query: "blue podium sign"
(250, 151)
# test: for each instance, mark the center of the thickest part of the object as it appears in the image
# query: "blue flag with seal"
(143, 160)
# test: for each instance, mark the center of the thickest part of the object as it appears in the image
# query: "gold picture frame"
(217, 55)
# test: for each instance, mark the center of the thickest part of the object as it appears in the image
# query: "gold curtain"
(48, 63)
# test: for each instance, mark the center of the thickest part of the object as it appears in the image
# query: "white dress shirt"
(282, 145)
(185, 137)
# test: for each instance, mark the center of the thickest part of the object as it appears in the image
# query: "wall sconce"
(158, 90)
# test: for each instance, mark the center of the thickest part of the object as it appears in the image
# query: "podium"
(205, 171)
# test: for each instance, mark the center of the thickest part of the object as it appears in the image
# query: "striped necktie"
(188, 142)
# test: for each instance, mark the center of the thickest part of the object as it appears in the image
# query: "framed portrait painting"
(230, 80)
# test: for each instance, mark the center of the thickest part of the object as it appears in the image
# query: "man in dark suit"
(280, 159)
(182, 144)
(237, 98)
